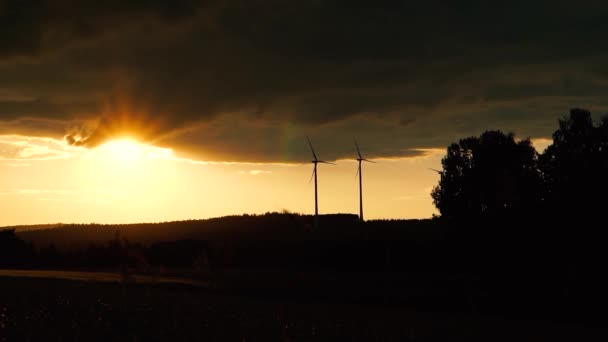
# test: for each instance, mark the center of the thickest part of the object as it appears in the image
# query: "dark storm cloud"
(31, 27)
(40, 108)
(246, 80)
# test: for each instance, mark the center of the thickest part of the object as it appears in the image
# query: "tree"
(487, 175)
(575, 167)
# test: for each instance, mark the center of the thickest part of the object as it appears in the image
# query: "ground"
(69, 310)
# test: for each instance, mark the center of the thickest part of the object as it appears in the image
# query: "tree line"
(494, 175)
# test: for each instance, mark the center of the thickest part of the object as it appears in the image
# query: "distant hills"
(270, 226)
(28, 227)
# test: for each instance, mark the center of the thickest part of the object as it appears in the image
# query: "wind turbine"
(360, 159)
(315, 161)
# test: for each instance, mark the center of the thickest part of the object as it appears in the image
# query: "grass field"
(35, 309)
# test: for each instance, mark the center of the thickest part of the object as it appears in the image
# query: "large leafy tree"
(487, 175)
(575, 166)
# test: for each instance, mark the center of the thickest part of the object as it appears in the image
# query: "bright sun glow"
(129, 150)
(123, 150)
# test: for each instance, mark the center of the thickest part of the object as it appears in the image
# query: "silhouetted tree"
(487, 175)
(575, 166)
(575, 174)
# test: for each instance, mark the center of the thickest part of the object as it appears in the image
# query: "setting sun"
(128, 151)
(123, 150)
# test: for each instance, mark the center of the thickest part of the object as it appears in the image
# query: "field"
(34, 309)
(273, 278)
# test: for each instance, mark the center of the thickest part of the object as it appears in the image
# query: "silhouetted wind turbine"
(360, 159)
(315, 161)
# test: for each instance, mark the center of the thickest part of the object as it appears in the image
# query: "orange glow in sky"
(47, 181)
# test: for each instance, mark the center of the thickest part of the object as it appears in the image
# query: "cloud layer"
(248, 80)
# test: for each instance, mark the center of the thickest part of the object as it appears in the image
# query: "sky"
(130, 111)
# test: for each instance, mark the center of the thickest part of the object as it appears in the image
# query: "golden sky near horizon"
(125, 181)
(47, 181)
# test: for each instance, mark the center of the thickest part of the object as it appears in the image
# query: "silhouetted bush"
(14, 252)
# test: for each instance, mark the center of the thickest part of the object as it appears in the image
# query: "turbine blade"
(358, 170)
(369, 161)
(439, 172)
(325, 162)
(313, 175)
(358, 151)
(311, 149)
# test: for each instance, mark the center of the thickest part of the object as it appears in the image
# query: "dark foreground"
(34, 309)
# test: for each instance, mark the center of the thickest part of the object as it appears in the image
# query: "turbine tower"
(315, 161)
(360, 159)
